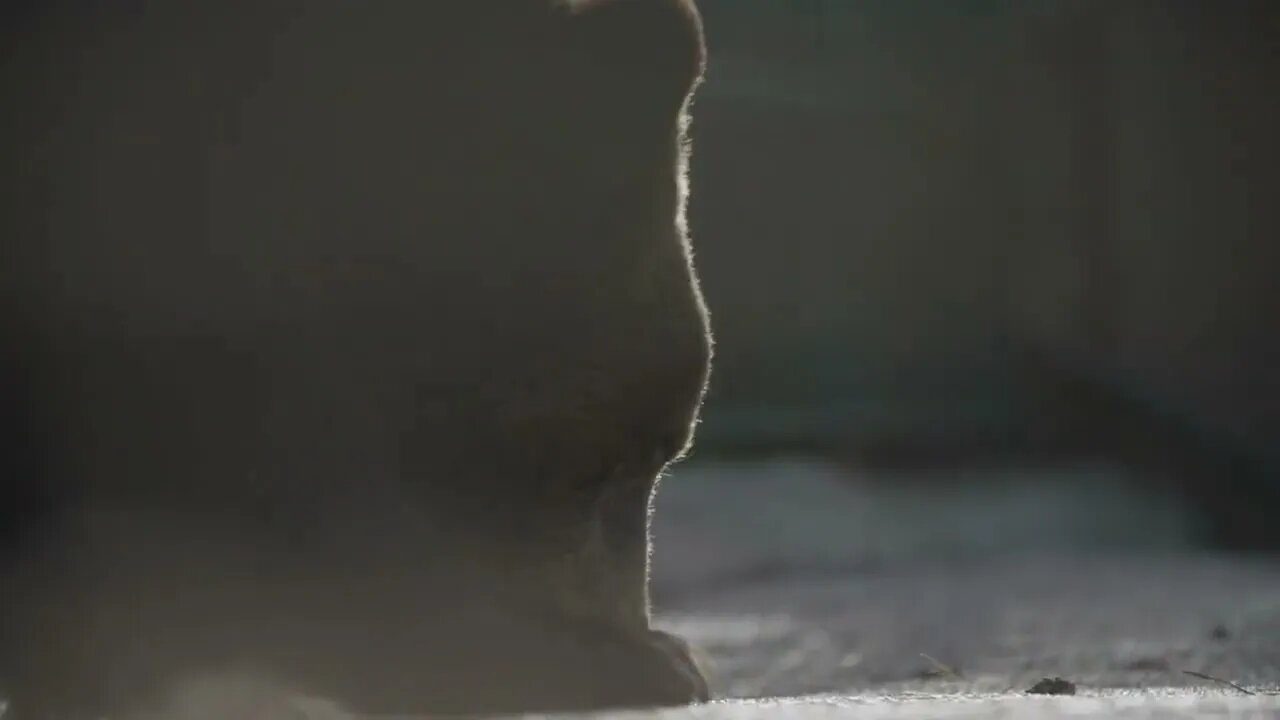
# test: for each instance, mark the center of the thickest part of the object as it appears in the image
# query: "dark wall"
(895, 203)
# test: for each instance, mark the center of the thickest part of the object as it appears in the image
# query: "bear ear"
(647, 51)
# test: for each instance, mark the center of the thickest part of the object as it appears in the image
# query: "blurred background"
(997, 379)
(941, 236)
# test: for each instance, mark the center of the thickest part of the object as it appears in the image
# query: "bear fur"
(342, 344)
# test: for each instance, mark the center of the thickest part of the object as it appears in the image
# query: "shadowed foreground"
(342, 344)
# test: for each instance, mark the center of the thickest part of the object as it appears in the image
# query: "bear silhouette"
(342, 345)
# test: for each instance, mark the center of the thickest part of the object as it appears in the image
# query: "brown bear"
(342, 344)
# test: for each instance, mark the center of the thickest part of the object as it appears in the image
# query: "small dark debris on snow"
(1220, 632)
(1053, 686)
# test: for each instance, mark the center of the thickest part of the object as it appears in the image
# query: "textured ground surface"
(915, 600)
(830, 586)
(1123, 706)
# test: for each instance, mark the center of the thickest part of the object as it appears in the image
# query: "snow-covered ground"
(910, 598)
(1148, 705)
